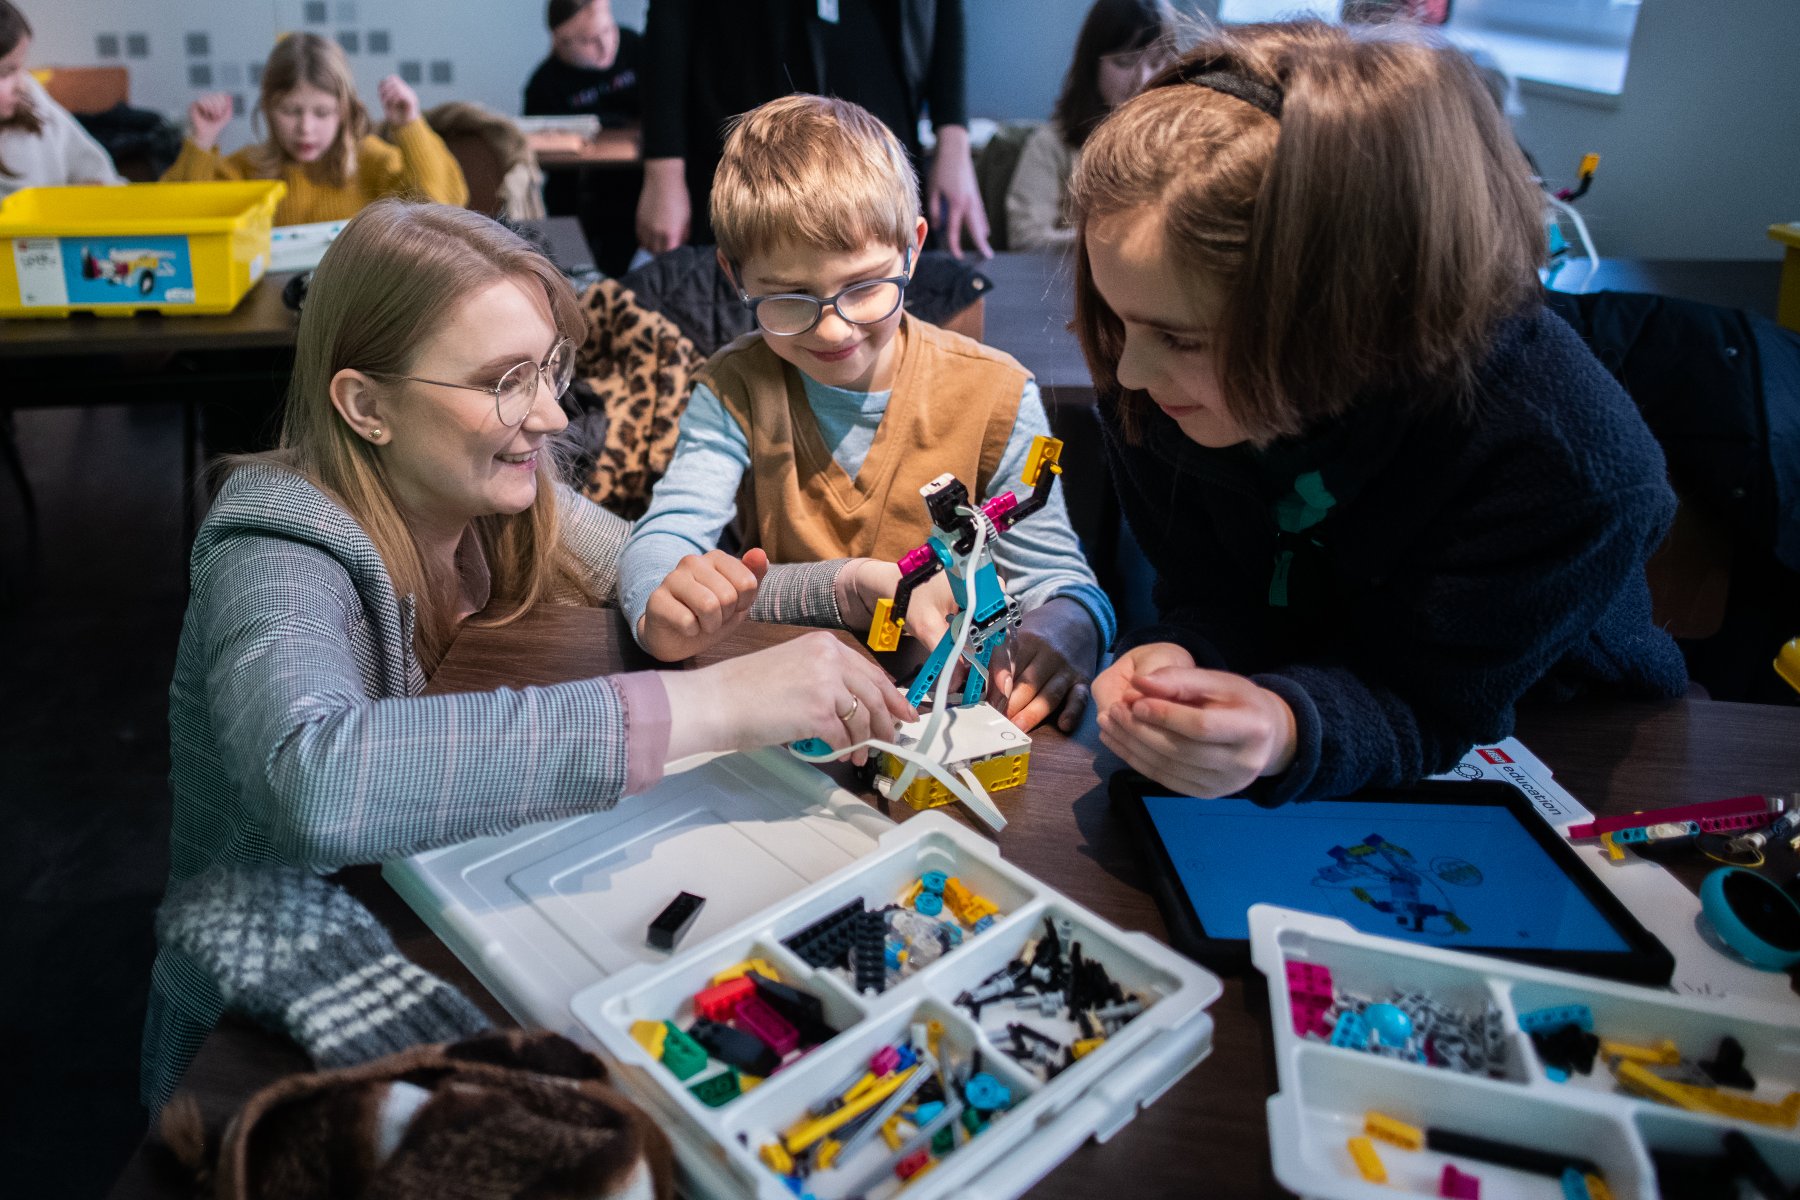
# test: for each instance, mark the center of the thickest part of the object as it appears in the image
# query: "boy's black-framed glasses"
(790, 314)
(515, 394)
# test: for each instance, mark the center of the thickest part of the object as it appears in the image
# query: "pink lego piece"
(885, 1060)
(915, 559)
(756, 1017)
(1733, 807)
(1309, 997)
(1000, 505)
(1457, 1185)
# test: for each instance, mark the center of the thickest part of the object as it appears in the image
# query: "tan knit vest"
(953, 406)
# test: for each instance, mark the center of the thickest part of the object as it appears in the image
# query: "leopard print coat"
(631, 384)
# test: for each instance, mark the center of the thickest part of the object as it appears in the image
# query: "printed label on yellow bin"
(82, 272)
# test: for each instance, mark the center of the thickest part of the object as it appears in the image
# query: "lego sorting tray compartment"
(1093, 1098)
(1327, 1091)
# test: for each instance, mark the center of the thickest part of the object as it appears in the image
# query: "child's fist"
(207, 118)
(399, 103)
(703, 599)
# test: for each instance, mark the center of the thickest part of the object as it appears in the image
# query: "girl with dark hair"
(1385, 492)
(1121, 45)
(41, 145)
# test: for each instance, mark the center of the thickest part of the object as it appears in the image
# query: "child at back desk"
(814, 432)
(319, 142)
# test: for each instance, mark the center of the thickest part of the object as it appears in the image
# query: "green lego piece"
(718, 1090)
(972, 1121)
(681, 1053)
(943, 1141)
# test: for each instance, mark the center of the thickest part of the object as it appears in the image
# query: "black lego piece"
(1726, 1066)
(674, 921)
(1569, 1047)
(803, 1010)
(1748, 1163)
(868, 953)
(1693, 1176)
(745, 1051)
(826, 942)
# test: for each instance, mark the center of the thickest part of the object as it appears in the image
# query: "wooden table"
(608, 148)
(1210, 1126)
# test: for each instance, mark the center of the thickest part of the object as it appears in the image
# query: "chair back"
(86, 90)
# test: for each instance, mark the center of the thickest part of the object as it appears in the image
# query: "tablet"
(1465, 865)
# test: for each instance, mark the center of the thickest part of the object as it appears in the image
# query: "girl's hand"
(813, 686)
(207, 118)
(1202, 733)
(704, 598)
(399, 103)
(1047, 667)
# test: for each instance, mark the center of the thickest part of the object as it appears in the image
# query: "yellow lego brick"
(650, 1035)
(1394, 1131)
(998, 774)
(967, 905)
(1787, 659)
(739, 970)
(1663, 1054)
(884, 631)
(1637, 1078)
(746, 1082)
(1590, 163)
(776, 1158)
(804, 1134)
(1045, 452)
(1597, 1189)
(890, 1133)
(1614, 851)
(1368, 1163)
(1086, 1046)
(828, 1152)
(912, 893)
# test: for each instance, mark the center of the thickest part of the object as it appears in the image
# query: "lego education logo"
(1493, 755)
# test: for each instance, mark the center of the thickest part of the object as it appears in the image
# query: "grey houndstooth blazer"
(298, 733)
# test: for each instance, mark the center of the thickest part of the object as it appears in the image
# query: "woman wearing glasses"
(1121, 45)
(811, 436)
(414, 489)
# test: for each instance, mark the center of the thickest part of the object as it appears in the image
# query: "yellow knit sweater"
(416, 165)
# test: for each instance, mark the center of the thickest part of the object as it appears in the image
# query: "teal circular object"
(1390, 1023)
(929, 903)
(1753, 916)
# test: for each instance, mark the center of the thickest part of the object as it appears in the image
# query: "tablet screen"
(1461, 876)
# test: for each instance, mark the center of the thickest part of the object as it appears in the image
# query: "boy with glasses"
(811, 436)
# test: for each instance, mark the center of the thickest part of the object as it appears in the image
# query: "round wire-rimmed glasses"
(516, 392)
(790, 314)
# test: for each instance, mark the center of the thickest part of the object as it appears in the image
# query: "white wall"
(489, 47)
(1698, 156)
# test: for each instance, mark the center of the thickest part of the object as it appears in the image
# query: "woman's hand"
(1047, 666)
(207, 118)
(812, 686)
(704, 598)
(664, 211)
(953, 197)
(399, 103)
(1202, 733)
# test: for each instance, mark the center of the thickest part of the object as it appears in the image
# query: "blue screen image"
(1452, 875)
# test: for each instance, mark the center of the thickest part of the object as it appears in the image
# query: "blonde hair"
(393, 276)
(813, 171)
(1369, 239)
(310, 59)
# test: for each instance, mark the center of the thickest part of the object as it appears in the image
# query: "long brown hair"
(394, 274)
(308, 58)
(1111, 27)
(14, 28)
(1368, 239)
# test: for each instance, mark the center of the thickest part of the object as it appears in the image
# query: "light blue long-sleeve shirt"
(1040, 558)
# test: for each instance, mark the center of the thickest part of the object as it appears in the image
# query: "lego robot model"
(965, 750)
(1384, 865)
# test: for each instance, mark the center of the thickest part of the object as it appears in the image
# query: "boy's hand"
(705, 597)
(865, 581)
(1048, 665)
(1203, 733)
(399, 103)
(207, 118)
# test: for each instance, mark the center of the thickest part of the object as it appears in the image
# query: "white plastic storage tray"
(1326, 1091)
(718, 1148)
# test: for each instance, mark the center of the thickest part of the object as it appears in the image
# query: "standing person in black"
(709, 60)
(594, 67)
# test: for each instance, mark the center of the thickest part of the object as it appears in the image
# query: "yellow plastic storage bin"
(161, 247)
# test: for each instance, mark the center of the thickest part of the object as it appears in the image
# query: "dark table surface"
(1615, 757)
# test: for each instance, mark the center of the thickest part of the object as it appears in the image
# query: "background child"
(1385, 492)
(816, 431)
(41, 145)
(319, 142)
(1121, 45)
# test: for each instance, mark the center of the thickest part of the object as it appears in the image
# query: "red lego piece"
(1309, 997)
(1459, 1185)
(720, 1002)
(913, 1163)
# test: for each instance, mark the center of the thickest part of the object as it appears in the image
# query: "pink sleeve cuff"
(646, 728)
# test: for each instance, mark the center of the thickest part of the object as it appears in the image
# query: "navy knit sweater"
(1435, 570)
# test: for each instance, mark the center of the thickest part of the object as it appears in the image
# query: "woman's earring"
(374, 433)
